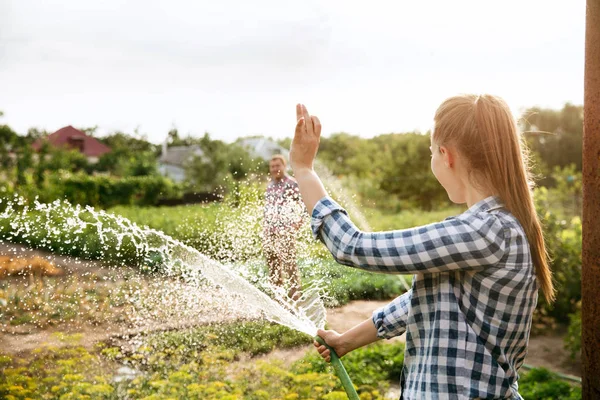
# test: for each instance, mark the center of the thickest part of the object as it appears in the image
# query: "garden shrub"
(100, 191)
(343, 284)
(541, 384)
(573, 338)
(70, 230)
(184, 365)
(105, 191)
(367, 366)
(563, 241)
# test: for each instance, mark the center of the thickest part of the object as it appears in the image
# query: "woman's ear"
(447, 156)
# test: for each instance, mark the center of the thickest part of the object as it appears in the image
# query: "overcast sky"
(237, 68)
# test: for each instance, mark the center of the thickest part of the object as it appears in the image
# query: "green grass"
(218, 230)
(344, 284)
(384, 221)
(181, 222)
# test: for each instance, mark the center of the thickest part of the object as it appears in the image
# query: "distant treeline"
(390, 171)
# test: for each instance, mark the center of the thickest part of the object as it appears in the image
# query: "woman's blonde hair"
(484, 132)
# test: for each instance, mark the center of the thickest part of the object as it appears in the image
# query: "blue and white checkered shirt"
(468, 315)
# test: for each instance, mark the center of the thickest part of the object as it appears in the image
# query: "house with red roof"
(70, 137)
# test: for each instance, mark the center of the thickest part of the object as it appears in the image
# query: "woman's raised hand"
(306, 140)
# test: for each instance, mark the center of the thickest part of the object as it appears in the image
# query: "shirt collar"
(281, 181)
(487, 204)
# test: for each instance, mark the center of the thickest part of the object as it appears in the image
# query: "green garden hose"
(340, 371)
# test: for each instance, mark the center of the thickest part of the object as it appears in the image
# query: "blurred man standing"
(282, 219)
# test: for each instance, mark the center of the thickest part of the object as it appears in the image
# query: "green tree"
(346, 154)
(65, 159)
(90, 131)
(33, 134)
(143, 164)
(406, 169)
(219, 163)
(129, 156)
(24, 162)
(42, 164)
(555, 135)
(123, 162)
(396, 164)
(8, 140)
(175, 140)
(137, 143)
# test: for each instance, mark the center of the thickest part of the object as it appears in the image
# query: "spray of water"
(238, 280)
(59, 225)
(336, 189)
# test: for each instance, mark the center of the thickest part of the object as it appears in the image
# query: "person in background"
(282, 220)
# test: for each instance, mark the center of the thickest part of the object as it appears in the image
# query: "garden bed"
(93, 348)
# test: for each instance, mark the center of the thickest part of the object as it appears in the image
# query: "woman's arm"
(311, 187)
(464, 243)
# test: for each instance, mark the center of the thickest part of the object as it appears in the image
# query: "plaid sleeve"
(467, 241)
(390, 320)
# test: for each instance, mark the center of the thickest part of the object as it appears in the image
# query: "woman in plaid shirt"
(468, 314)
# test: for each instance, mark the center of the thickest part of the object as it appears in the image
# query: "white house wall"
(177, 174)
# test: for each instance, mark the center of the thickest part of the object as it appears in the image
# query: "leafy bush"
(408, 218)
(64, 229)
(105, 191)
(541, 384)
(101, 191)
(566, 195)
(563, 241)
(249, 337)
(367, 366)
(573, 338)
(345, 284)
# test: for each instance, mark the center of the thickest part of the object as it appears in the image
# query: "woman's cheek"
(434, 169)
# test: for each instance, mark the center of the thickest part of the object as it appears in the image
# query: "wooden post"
(590, 274)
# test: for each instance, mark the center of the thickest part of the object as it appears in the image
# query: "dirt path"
(548, 351)
(343, 318)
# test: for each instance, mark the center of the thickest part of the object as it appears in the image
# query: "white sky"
(237, 68)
